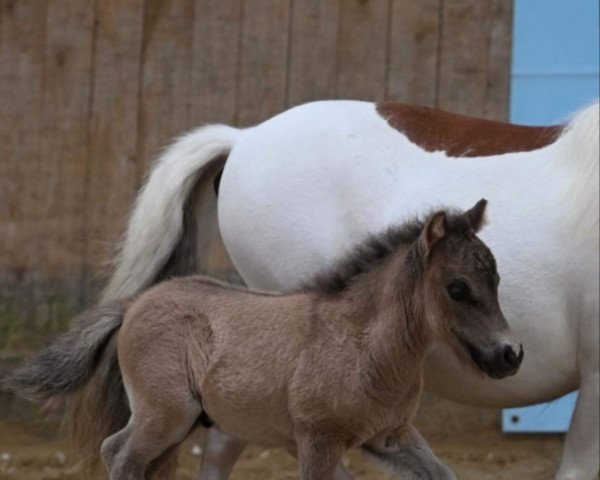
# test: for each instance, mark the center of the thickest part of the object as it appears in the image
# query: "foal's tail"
(156, 233)
(81, 363)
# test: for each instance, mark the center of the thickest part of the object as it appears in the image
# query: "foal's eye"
(459, 291)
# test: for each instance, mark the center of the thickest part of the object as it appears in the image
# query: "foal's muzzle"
(501, 361)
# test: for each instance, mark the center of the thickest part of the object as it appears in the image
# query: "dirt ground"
(28, 453)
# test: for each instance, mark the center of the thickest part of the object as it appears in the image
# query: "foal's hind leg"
(157, 425)
(117, 464)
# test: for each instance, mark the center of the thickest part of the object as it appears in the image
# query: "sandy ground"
(28, 453)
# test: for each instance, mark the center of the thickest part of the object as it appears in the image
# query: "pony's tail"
(81, 363)
(156, 244)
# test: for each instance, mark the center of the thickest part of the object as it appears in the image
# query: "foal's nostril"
(510, 357)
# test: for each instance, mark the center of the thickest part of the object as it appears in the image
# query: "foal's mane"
(375, 249)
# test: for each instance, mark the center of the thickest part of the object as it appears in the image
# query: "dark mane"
(365, 255)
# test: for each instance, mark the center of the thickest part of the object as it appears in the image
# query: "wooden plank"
(62, 161)
(166, 93)
(217, 31)
(497, 92)
(313, 51)
(53, 172)
(22, 40)
(412, 76)
(216, 62)
(113, 165)
(264, 54)
(22, 36)
(475, 57)
(363, 49)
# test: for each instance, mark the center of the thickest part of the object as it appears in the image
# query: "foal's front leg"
(221, 452)
(319, 456)
(409, 456)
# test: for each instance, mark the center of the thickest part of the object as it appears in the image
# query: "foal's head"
(461, 291)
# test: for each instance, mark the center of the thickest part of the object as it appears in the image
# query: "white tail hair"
(582, 151)
(156, 222)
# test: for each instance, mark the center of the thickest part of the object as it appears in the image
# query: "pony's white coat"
(303, 187)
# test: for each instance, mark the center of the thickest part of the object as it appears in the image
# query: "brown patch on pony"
(462, 136)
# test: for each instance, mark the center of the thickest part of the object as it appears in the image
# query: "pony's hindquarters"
(297, 190)
(155, 233)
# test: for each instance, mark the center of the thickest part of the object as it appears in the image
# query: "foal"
(332, 366)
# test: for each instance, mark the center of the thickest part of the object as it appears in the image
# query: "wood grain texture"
(50, 220)
(112, 163)
(166, 82)
(313, 59)
(216, 73)
(363, 49)
(264, 55)
(497, 85)
(62, 158)
(414, 41)
(91, 92)
(22, 41)
(471, 51)
(216, 55)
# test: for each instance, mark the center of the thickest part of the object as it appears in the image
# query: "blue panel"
(541, 100)
(552, 417)
(555, 36)
(556, 59)
(556, 66)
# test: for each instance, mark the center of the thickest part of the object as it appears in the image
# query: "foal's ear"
(476, 215)
(434, 230)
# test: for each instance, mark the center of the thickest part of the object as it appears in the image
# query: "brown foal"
(335, 365)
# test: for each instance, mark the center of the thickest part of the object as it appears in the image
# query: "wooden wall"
(91, 90)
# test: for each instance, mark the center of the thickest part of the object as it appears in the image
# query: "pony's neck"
(580, 154)
(396, 332)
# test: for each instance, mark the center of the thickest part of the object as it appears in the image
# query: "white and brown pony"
(298, 190)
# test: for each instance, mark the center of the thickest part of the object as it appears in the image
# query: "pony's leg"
(221, 451)
(409, 456)
(319, 457)
(580, 455)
